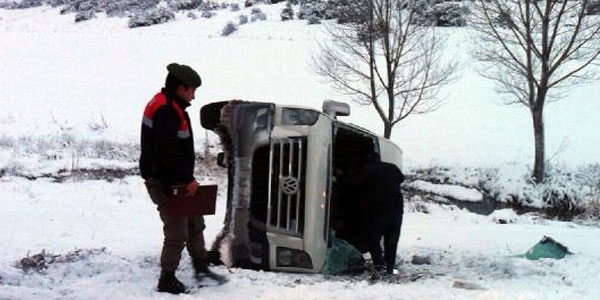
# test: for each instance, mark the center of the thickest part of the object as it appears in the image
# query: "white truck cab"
(282, 163)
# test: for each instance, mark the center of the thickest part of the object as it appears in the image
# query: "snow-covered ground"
(72, 97)
(118, 216)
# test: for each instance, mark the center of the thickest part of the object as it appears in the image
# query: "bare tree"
(380, 57)
(534, 50)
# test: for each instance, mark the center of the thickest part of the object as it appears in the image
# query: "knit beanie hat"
(185, 73)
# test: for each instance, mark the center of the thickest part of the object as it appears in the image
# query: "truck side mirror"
(221, 161)
(334, 109)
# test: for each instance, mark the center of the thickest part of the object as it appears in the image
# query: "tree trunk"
(540, 153)
(387, 130)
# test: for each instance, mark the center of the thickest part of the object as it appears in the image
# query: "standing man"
(384, 210)
(167, 160)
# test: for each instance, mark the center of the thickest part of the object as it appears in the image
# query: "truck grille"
(287, 181)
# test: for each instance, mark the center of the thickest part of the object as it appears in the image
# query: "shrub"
(564, 194)
(311, 9)
(185, 4)
(243, 19)
(147, 18)
(345, 11)
(259, 16)
(287, 13)
(208, 14)
(450, 14)
(208, 6)
(229, 29)
(28, 4)
(234, 7)
(504, 19)
(314, 20)
(593, 8)
(84, 16)
(428, 13)
(125, 7)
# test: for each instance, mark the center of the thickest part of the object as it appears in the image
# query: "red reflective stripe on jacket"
(158, 101)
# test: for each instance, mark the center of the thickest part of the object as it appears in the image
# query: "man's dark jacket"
(167, 141)
(383, 184)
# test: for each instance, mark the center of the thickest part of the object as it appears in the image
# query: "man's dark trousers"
(179, 231)
(386, 227)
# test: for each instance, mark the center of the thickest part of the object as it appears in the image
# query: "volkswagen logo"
(289, 185)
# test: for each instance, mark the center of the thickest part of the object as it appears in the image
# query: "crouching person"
(383, 217)
(168, 159)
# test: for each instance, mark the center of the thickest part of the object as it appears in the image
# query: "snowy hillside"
(61, 74)
(72, 95)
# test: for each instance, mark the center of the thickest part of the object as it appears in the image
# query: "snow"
(448, 190)
(60, 80)
(101, 68)
(119, 216)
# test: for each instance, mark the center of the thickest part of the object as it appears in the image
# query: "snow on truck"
(282, 162)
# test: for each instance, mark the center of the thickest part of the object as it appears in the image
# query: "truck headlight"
(293, 258)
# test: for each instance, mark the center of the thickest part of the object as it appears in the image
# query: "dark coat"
(382, 186)
(167, 141)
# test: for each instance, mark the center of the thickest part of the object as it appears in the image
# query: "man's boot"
(169, 283)
(202, 271)
(213, 257)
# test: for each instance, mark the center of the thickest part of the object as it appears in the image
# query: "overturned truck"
(283, 202)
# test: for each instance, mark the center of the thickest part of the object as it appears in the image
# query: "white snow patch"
(448, 190)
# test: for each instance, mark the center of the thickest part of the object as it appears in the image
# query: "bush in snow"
(345, 11)
(80, 6)
(84, 16)
(234, 7)
(451, 14)
(208, 14)
(118, 8)
(23, 4)
(564, 193)
(243, 19)
(209, 6)
(593, 8)
(125, 7)
(224, 5)
(314, 20)
(429, 13)
(258, 16)
(287, 13)
(229, 29)
(314, 9)
(151, 17)
(263, 1)
(192, 16)
(184, 4)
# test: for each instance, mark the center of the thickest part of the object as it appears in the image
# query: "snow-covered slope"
(60, 74)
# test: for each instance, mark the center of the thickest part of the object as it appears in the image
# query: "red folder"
(202, 203)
